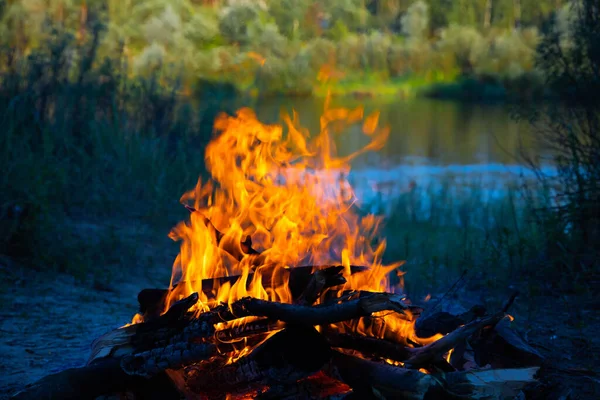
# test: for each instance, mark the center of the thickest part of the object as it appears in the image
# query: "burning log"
(188, 342)
(152, 301)
(437, 349)
(290, 355)
(174, 356)
(328, 313)
(369, 345)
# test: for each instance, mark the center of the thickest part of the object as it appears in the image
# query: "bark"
(374, 378)
(328, 313)
(152, 300)
(288, 356)
(494, 384)
(103, 377)
(487, 16)
(430, 353)
(369, 345)
(174, 356)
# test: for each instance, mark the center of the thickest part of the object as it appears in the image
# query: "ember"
(279, 291)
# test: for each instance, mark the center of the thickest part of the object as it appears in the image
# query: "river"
(432, 145)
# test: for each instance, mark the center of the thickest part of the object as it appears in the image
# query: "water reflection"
(438, 151)
(423, 131)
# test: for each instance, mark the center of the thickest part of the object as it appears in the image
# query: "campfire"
(279, 291)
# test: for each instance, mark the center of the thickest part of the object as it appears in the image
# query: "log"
(176, 338)
(249, 329)
(288, 356)
(369, 345)
(316, 386)
(100, 378)
(174, 356)
(319, 282)
(493, 384)
(328, 313)
(428, 354)
(151, 301)
(387, 380)
(503, 347)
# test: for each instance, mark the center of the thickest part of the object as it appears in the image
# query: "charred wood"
(288, 356)
(428, 354)
(328, 313)
(152, 301)
(497, 384)
(389, 381)
(503, 347)
(369, 345)
(100, 378)
(150, 363)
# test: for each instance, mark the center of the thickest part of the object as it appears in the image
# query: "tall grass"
(83, 141)
(447, 227)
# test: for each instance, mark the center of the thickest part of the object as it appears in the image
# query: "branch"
(318, 315)
(428, 354)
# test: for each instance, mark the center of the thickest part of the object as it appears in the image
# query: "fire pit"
(279, 291)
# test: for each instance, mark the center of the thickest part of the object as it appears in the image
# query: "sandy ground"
(48, 322)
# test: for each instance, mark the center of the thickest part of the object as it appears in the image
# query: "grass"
(374, 85)
(87, 151)
(443, 230)
(94, 161)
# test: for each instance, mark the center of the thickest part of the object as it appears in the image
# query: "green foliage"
(390, 38)
(235, 19)
(83, 141)
(569, 57)
(447, 228)
(350, 12)
(416, 20)
(465, 44)
(290, 15)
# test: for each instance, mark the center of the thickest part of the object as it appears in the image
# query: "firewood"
(320, 280)
(316, 386)
(173, 356)
(152, 300)
(328, 313)
(290, 355)
(249, 329)
(369, 345)
(503, 347)
(390, 381)
(105, 376)
(175, 326)
(427, 354)
(493, 384)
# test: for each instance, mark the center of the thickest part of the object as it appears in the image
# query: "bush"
(569, 57)
(83, 141)
(465, 44)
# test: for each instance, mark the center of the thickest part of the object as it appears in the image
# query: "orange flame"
(287, 194)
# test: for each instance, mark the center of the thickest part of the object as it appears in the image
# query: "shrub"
(465, 44)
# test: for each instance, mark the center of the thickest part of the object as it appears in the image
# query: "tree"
(235, 18)
(416, 20)
(466, 45)
(289, 16)
(569, 56)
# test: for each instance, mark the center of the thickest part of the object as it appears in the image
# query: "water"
(431, 142)
(423, 131)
